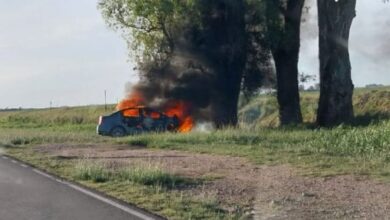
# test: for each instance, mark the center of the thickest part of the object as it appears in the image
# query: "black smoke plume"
(206, 66)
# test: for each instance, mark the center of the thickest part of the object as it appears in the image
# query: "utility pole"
(105, 100)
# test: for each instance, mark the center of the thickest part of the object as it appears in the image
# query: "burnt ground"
(271, 192)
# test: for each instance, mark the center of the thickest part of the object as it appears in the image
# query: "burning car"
(136, 120)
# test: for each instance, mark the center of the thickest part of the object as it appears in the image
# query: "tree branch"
(142, 28)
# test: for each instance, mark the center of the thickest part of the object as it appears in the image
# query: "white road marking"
(96, 196)
(4, 157)
(110, 202)
(44, 174)
(14, 161)
(23, 165)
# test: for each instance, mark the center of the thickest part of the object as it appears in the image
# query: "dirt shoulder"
(271, 192)
(284, 194)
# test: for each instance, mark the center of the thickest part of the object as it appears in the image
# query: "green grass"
(171, 204)
(370, 105)
(148, 187)
(22, 137)
(87, 171)
(56, 118)
(360, 148)
(144, 175)
(47, 126)
(338, 150)
(150, 176)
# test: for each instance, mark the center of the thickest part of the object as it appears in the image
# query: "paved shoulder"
(27, 194)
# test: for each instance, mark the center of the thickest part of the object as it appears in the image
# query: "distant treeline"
(12, 109)
(374, 86)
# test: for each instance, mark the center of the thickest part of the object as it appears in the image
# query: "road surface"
(28, 194)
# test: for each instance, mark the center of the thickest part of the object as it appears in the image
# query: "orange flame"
(186, 125)
(180, 109)
(134, 100)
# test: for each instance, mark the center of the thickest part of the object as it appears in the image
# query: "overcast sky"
(59, 51)
(62, 51)
(369, 42)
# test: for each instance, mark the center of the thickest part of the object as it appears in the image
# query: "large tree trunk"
(334, 21)
(284, 23)
(225, 106)
(224, 48)
(288, 90)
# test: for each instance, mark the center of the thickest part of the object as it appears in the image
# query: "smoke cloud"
(185, 78)
(204, 68)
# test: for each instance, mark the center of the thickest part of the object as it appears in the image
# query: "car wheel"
(171, 128)
(159, 128)
(118, 132)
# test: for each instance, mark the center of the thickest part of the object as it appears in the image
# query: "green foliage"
(279, 16)
(274, 22)
(149, 26)
(259, 69)
(154, 29)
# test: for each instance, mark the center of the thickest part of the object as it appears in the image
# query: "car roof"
(140, 107)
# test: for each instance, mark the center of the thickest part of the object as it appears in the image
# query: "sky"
(369, 42)
(62, 52)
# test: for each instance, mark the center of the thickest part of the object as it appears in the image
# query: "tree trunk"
(225, 108)
(334, 21)
(284, 24)
(288, 90)
(224, 48)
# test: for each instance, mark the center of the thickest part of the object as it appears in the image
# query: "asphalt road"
(28, 194)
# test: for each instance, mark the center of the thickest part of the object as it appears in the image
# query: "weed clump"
(150, 175)
(91, 172)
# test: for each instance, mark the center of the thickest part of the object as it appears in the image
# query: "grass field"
(360, 148)
(369, 105)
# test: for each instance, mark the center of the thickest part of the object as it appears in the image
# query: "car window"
(131, 113)
(152, 114)
(155, 115)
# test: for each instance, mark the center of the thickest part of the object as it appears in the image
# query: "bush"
(91, 171)
(149, 176)
(98, 172)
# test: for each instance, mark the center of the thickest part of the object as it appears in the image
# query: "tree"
(222, 42)
(208, 37)
(283, 30)
(149, 26)
(259, 69)
(334, 20)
